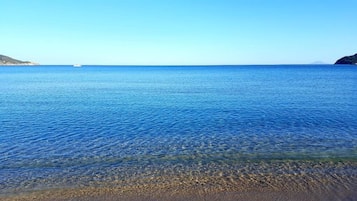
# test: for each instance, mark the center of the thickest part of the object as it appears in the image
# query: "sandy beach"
(190, 192)
(313, 181)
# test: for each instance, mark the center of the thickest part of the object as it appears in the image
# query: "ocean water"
(65, 127)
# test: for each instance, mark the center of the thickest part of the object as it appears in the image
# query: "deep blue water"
(59, 121)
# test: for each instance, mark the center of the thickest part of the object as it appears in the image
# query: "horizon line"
(287, 64)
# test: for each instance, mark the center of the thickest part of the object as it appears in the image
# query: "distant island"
(348, 60)
(5, 60)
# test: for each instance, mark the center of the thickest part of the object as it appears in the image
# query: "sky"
(178, 32)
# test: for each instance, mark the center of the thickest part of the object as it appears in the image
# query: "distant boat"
(77, 65)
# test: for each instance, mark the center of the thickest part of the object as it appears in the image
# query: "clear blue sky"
(178, 31)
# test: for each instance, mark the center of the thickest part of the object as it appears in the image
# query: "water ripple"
(74, 125)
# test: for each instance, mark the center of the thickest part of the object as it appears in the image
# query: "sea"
(94, 126)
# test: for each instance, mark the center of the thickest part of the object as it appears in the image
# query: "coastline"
(23, 64)
(291, 180)
(189, 192)
(195, 194)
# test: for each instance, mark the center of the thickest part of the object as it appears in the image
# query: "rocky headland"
(5, 60)
(348, 60)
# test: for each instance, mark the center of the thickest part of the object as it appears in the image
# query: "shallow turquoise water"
(62, 122)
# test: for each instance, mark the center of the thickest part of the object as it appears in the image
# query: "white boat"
(77, 65)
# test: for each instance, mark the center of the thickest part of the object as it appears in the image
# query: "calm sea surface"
(63, 126)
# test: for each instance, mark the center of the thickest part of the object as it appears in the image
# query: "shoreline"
(21, 64)
(313, 181)
(198, 191)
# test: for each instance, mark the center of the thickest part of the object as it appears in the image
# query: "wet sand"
(108, 195)
(290, 181)
(191, 192)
